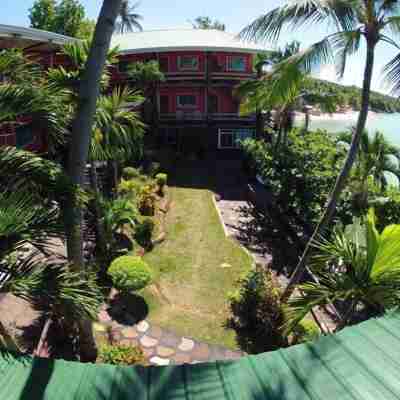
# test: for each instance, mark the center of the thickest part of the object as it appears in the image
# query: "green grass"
(189, 295)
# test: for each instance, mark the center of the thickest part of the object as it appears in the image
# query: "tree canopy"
(66, 17)
(207, 23)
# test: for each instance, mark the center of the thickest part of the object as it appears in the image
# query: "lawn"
(196, 266)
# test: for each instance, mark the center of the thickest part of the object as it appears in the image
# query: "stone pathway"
(231, 201)
(161, 346)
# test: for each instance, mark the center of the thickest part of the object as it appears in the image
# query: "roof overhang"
(191, 48)
(30, 38)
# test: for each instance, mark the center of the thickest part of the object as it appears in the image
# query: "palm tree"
(359, 267)
(355, 20)
(28, 229)
(273, 91)
(128, 19)
(89, 90)
(376, 158)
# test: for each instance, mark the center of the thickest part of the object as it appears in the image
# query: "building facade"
(196, 106)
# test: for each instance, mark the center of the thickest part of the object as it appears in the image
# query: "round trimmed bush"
(130, 173)
(129, 273)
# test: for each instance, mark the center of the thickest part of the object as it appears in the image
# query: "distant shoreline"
(342, 116)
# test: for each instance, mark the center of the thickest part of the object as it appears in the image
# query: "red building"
(196, 104)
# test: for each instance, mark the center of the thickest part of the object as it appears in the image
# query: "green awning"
(361, 362)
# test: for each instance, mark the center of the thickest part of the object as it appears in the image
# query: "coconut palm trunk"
(328, 214)
(82, 126)
(79, 147)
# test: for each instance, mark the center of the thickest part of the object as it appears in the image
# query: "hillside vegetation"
(351, 96)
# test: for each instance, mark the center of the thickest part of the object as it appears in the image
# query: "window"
(188, 63)
(231, 138)
(24, 136)
(164, 64)
(186, 101)
(123, 66)
(237, 63)
(164, 104)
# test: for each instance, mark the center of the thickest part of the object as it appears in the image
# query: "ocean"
(388, 124)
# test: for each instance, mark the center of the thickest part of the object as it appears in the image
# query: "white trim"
(191, 48)
(34, 34)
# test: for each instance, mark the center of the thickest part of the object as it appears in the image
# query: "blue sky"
(234, 13)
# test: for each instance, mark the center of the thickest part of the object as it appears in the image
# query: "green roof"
(361, 362)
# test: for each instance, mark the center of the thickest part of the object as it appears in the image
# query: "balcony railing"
(199, 116)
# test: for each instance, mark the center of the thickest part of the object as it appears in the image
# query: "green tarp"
(361, 362)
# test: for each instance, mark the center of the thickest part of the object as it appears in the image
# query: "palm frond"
(392, 72)
(28, 172)
(345, 44)
(25, 222)
(52, 287)
(298, 13)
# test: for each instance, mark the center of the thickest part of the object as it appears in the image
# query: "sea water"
(388, 124)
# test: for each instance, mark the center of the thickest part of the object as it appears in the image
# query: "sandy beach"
(343, 116)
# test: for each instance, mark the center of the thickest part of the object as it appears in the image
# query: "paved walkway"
(161, 346)
(232, 204)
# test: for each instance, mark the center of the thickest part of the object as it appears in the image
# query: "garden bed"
(196, 266)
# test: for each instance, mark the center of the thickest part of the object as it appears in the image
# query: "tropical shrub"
(147, 200)
(129, 273)
(305, 331)
(258, 315)
(300, 174)
(144, 232)
(118, 354)
(130, 173)
(358, 269)
(161, 180)
(129, 187)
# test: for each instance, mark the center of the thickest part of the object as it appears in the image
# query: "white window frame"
(188, 68)
(186, 106)
(234, 132)
(229, 64)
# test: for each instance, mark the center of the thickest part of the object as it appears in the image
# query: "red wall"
(173, 92)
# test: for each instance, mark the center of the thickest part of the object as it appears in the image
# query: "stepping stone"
(165, 351)
(159, 361)
(186, 344)
(232, 355)
(130, 333)
(181, 358)
(170, 340)
(201, 352)
(147, 341)
(148, 353)
(155, 332)
(142, 326)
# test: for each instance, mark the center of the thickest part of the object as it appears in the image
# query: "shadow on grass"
(128, 309)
